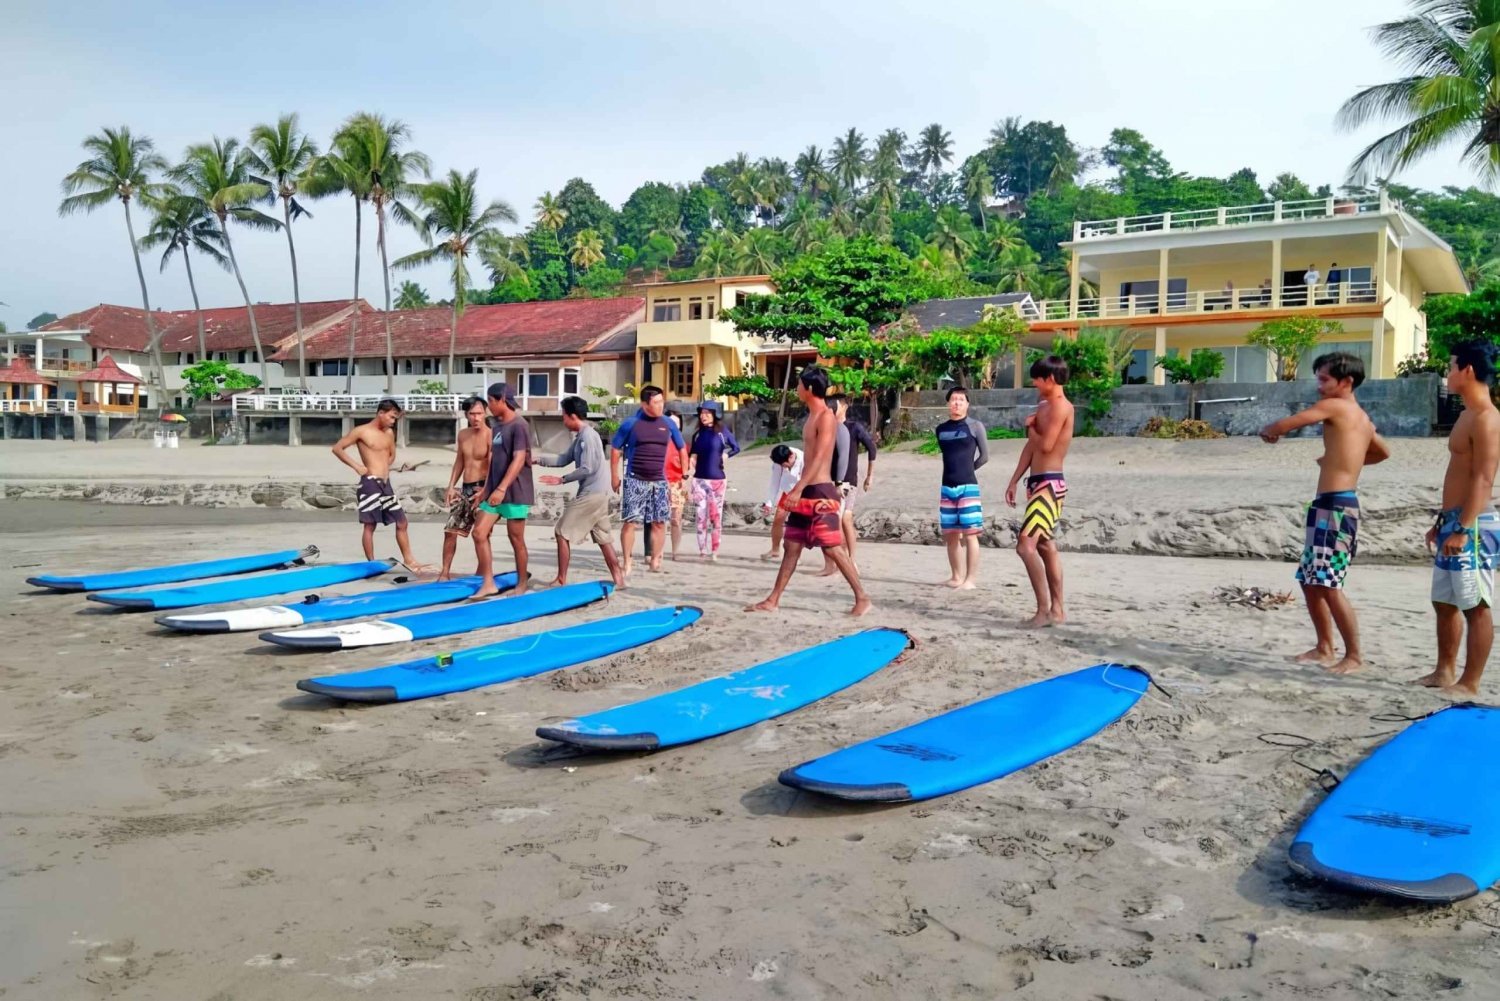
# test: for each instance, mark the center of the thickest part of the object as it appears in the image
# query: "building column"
(1381, 261)
(1018, 377)
(346, 424)
(294, 430)
(640, 371)
(80, 428)
(1377, 349)
(698, 360)
(1276, 270)
(403, 433)
(1162, 273)
(1073, 279)
(1159, 374)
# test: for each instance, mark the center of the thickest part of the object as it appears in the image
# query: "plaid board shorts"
(1332, 539)
(644, 501)
(960, 511)
(377, 502)
(461, 511)
(1467, 580)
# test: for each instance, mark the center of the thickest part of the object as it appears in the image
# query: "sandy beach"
(180, 822)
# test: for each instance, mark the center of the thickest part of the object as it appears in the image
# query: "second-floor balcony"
(1212, 302)
(1263, 214)
(48, 364)
(685, 333)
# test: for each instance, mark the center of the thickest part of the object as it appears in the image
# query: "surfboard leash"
(1325, 777)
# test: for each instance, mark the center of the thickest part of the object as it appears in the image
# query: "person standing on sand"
(712, 443)
(508, 491)
(813, 502)
(374, 496)
(586, 515)
(836, 473)
(965, 447)
(1467, 533)
(849, 476)
(677, 487)
(643, 441)
(1049, 432)
(470, 467)
(786, 471)
(1332, 535)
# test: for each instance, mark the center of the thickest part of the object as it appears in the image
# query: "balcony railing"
(1222, 301)
(1268, 213)
(48, 363)
(302, 403)
(38, 406)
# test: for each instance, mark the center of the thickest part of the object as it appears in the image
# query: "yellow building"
(684, 344)
(1206, 278)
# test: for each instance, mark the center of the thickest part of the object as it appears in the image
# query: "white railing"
(1231, 215)
(38, 406)
(1220, 301)
(302, 403)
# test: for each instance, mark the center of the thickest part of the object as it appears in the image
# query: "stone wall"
(1401, 408)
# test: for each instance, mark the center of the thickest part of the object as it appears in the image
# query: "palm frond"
(420, 258)
(1381, 102)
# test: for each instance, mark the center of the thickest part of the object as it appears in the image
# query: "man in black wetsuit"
(964, 445)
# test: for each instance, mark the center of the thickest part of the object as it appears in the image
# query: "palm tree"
(934, 148)
(757, 251)
(1004, 237)
(342, 170)
(810, 173)
(217, 173)
(1016, 270)
(550, 213)
(847, 160)
(505, 256)
(392, 170)
(120, 165)
(588, 249)
(979, 188)
(410, 295)
(184, 223)
(451, 211)
(841, 209)
(1451, 49)
(948, 234)
(280, 156)
(716, 256)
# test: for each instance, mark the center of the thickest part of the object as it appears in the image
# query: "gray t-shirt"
(840, 452)
(586, 455)
(511, 438)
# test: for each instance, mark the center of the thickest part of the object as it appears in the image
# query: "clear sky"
(534, 93)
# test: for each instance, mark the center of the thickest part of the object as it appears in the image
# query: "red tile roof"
(123, 328)
(522, 329)
(20, 373)
(106, 371)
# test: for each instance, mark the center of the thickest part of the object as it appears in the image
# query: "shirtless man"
(813, 502)
(470, 466)
(1467, 533)
(377, 502)
(1049, 432)
(1332, 538)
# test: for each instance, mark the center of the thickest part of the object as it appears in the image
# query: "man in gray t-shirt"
(587, 514)
(508, 492)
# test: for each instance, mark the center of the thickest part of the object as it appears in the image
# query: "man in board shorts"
(374, 496)
(471, 465)
(508, 493)
(643, 441)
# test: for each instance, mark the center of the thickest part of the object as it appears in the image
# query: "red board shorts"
(813, 522)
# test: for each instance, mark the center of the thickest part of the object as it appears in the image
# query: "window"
(695, 309)
(241, 358)
(570, 382)
(1360, 349)
(1138, 371)
(1242, 364)
(538, 383)
(426, 366)
(710, 306)
(666, 310)
(332, 366)
(469, 366)
(740, 298)
(680, 378)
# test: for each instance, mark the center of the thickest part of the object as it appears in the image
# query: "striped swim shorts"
(960, 511)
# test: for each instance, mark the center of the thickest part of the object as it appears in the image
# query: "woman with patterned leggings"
(711, 444)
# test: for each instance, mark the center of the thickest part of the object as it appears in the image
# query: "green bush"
(1202, 366)
(1420, 363)
(754, 387)
(431, 387)
(1092, 375)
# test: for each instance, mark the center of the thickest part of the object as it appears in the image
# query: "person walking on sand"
(1466, 536)
(964, 445)
(849, 484)
(508, 491)
(587, 514)
(1049, 432)
(786, 471)
(470, 467)
(813, 502)
(836, 473)
(1332, 529)
(374, 496)
(643, 441)
(678, 489)
(712, 443)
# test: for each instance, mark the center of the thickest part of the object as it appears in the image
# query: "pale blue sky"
(532, 94)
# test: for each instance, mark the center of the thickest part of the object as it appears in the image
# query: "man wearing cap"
(508, 492)
(644, 440)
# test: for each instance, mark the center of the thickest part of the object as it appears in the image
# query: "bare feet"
(768, 557)
(1440, 678)
(627, 568)
(445, 575)
(713, 558)
(1463, 691)
(655, 567)
(1040, 620)
(1057, 616)
(1317, 655)
(828, 570)
(519, 589)
(556, 582)
(1348, 665)
(619, 579)
(967, 585)
(861, 606)
(484, 592)
(674, 557)
(762, 606)
(952, 582)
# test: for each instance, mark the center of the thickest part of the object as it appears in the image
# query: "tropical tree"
(410, 295)
(588, 250)
(280, 156)
(506, 257)
(343, 170)
(758, 251)
(979, 188)
(181, 223)
(847, 158)
(810, 172)
(1289, 337)
(951, 234)
(452, 213)
(120, 166)
(717, 256)
(217, 173)
(549, 213)
(934, 148)
(1451, 50)
(392, 171)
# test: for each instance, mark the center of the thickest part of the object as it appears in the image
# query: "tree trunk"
(786, 388)
(249, 307)
(197, 309)
(153, 335)
(354, 320)
(286, 211)
(385, 273)
(452, 337)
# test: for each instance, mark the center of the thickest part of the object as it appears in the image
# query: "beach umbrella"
(171, 418)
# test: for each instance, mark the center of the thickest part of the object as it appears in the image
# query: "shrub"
(1420, 363)
(753, 387)
(1202, 366)
(431, 387)
(1288, 337)
(1183, 430)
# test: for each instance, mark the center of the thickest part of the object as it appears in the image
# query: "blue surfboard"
(172, 573)
(496, 662)
(1419, 818)
(978, 742)
(313, 609)
(242, 588)
(445, 621)
(733, 701)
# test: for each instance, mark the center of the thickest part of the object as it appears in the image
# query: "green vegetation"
(745, 387)
(410, 295)
(210, 378)
(1289, 337)
(1184, 430)
(1455, 318)
(1201, 366)
(1093, 374)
